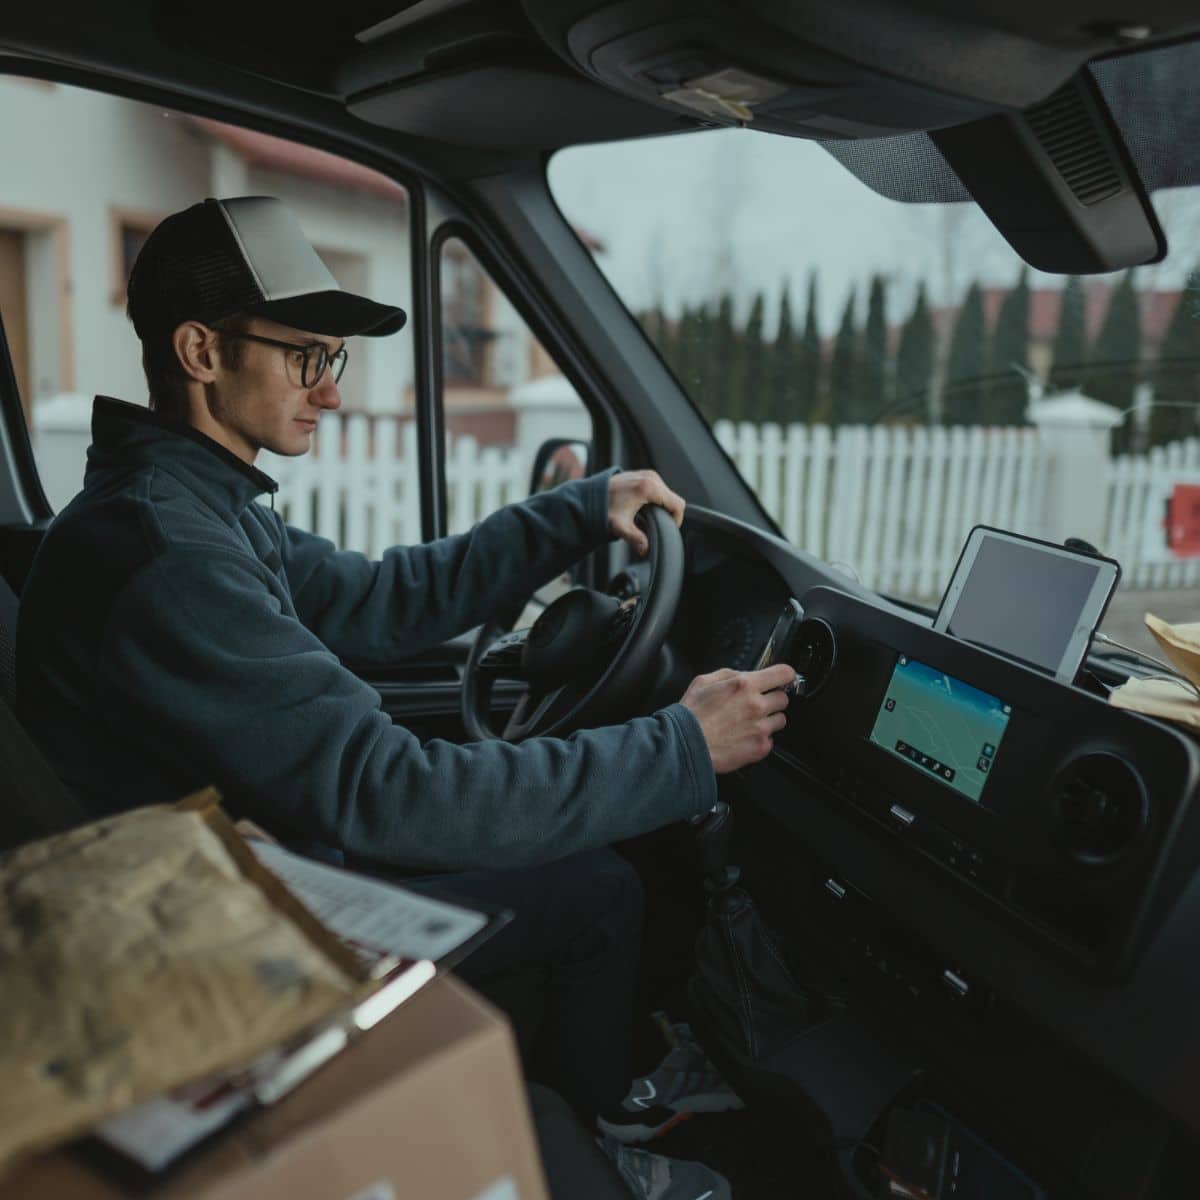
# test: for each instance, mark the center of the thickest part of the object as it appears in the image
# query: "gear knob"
(714, 831)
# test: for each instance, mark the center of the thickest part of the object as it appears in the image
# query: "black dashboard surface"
(1135, 1029)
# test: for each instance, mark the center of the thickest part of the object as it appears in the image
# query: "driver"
(175, 632)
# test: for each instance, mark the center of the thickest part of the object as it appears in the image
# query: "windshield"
(887, 375)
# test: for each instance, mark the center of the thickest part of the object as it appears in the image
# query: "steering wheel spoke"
(503, 659)
(587, 654)
(536, 711)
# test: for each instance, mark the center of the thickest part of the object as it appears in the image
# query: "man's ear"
(196, 348)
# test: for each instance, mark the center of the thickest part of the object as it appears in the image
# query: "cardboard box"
(429, 1105)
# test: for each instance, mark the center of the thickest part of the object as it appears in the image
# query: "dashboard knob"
(1101, 808)
(813, 653)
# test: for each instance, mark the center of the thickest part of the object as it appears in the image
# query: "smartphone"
(779, 642)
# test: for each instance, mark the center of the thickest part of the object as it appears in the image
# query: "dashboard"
(989, 866)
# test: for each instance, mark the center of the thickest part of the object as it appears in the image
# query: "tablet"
(1030, 600)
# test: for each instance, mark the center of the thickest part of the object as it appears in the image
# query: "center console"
(1038, 799)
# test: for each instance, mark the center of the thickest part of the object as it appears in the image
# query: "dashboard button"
(901, 816)
(956, 983)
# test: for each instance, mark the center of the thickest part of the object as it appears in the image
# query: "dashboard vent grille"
(1065, 128)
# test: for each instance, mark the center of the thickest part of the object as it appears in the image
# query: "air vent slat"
(1065, 130)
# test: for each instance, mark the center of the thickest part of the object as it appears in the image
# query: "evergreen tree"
(1007, 388)
(810, 369)
(962, 398)
(1114, 362)
(752, 365)
(914, 360)
(1068, 364)
(873, 382)
(842, 402)
(723, 361)
(1176, 375)
(700, 332)
(682, 355)
(782, 384)
(663, 333)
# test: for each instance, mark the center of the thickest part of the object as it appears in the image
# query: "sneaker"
(685, 1082)
(653, 1177)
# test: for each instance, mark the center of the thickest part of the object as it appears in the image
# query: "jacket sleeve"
(419, 596)
(224, 687)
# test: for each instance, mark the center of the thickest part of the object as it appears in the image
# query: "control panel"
(1070, 816)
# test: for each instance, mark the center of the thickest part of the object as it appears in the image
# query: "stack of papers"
(140, 952)
(386, 926)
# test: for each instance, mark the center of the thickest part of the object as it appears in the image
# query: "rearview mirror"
(558, 460)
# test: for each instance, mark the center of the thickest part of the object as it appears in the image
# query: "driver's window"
(504, 397)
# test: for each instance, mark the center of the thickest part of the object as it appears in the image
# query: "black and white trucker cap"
(244, 255)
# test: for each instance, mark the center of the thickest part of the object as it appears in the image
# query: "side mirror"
(558, 460)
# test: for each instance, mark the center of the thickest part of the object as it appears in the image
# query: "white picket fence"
(891, 504)
(360, 486)
(1137, 495)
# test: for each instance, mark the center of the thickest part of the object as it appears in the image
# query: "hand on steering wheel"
(585, 656)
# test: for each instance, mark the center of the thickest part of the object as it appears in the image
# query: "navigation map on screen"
(941, 725)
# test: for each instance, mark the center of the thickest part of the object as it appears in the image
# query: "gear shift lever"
(714, 831)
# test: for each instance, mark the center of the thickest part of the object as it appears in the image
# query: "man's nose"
(326, 394)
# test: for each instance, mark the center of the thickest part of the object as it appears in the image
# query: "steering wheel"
(586, 654)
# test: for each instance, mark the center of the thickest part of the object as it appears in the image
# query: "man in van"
(175, 632)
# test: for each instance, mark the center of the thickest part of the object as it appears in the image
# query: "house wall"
(73, 156)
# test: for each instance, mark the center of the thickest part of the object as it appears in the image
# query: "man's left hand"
(628, 493)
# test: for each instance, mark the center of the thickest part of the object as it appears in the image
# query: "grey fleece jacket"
(174, 633)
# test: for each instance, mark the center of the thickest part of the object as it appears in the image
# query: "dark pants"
(572, 952)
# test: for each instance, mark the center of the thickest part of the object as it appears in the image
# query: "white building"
(66, 250)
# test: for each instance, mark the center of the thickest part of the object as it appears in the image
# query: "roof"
(292, 158)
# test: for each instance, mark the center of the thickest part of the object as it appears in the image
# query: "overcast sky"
(683, 218)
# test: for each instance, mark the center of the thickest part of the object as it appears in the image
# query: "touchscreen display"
(1023, 600)
(940, 725)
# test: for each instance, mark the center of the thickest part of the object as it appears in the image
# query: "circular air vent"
(1101, 808)
(813, 652)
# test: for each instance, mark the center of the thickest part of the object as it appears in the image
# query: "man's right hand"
(739, 712)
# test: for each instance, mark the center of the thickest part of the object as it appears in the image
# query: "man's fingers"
(771, 678)
(718, 675)
(775, 701)
(662, 495)
(775, 722)
(629, 532)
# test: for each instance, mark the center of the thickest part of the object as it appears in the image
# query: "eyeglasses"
(316, 357)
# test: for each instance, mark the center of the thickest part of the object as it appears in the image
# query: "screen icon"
(984, 763)
(988, 749)
(889, 704)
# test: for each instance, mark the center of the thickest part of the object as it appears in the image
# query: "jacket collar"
(125, 435)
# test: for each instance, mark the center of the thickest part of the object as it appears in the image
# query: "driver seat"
(36, 802)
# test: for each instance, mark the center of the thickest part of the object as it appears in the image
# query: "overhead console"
(1069, 817)
(1016, 114)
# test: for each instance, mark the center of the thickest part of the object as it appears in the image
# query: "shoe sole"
(636, 1133)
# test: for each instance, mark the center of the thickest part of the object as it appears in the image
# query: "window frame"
(524, 301)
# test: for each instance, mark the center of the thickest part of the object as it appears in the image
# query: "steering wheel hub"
(569, 637)
(586, 657)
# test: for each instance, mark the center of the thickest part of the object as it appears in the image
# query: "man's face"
(262, 404)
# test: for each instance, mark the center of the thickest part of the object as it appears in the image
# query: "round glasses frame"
(316, 357)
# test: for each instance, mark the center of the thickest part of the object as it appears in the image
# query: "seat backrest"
(34, 803)
(8, 644)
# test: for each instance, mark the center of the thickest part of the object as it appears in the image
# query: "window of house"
(503, 396)
(128, 230)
